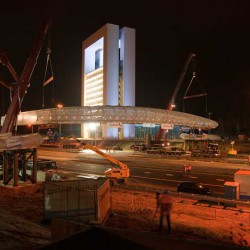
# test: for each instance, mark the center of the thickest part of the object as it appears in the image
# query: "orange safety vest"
(165, 204)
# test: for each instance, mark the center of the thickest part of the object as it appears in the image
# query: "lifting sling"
(185, 97)
(51, 78)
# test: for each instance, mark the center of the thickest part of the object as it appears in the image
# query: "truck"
(210, 150)
(166, 150)
(119, 173)
(46, 170)
(243, 178)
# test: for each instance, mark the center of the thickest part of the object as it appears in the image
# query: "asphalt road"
(151, 170)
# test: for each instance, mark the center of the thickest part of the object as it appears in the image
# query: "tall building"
(108, 77)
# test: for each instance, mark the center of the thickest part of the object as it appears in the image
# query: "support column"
(5, 168)
(15, 170)
(24, 167)
(34, 171)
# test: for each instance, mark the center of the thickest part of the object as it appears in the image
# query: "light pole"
(92, 127)
(31, 126)
(59, 105)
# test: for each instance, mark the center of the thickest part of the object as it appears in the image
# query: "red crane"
(23, 82)
(171, 103)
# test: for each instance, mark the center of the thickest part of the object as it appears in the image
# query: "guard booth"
(231, 191)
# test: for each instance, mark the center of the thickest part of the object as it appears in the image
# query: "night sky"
(218, 32)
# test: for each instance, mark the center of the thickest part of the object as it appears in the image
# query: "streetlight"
(92, 127)
(59, 105)
(31, 126)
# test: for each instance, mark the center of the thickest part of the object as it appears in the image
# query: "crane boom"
(23, 81)
(120, 171)
(171, 103)
(179, 82)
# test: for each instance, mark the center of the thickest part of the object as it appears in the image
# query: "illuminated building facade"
(108, 78)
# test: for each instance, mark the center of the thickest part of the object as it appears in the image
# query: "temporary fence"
(77, 198)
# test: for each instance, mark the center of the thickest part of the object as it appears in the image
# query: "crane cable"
(197, 95)
(46, 82)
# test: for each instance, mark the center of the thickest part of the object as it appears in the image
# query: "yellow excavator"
(119, 173)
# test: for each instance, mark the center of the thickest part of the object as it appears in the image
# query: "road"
(154, 171)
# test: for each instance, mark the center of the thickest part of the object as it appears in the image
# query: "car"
(43, 164)
(194, 188)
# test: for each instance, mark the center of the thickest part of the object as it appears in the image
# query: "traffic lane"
(82, 167)
(144, 171)
(173, 178)
(160, 172)
(173, 165)
(219, 168)
(101, 164)
(150, 176)
(129, 159)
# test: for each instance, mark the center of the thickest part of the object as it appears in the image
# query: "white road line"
(220, 180)
(166, 180)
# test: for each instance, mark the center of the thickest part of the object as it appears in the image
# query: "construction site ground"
(22, 227)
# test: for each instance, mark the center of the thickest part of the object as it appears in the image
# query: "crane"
(120, 171)
(22, 82)
(171, 103)
(17, 158)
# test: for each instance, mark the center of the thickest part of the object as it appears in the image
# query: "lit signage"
(167, 126)
(114, 124)
(148, 125)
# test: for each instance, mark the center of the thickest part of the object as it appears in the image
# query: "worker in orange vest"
(164, 202)
(184, 170)
(189, 168)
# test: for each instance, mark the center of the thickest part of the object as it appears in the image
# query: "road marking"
(193, 177)
(169, 174)
(168, 180)
(220, 180)
(151, 178)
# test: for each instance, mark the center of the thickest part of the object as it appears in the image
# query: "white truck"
(243, 178)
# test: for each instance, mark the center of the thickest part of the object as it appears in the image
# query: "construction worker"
(164, 202)
(189, 168)
(184, 171)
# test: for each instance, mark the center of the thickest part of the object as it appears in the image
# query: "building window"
(98, 58)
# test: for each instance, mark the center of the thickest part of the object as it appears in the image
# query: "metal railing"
(216, 200)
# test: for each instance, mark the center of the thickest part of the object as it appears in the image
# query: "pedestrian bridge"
(124, 114)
